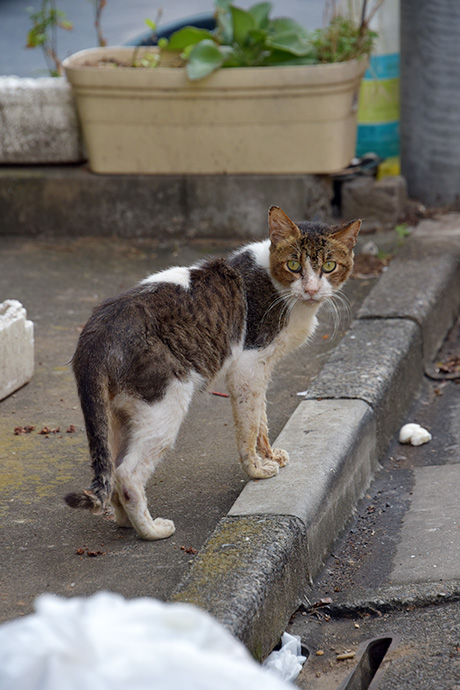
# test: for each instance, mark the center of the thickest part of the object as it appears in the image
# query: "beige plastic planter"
(243, 120)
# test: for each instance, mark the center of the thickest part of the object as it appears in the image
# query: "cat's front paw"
(260, 468)
(280, 456)
(158, 529)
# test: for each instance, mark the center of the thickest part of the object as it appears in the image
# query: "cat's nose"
(311, 291)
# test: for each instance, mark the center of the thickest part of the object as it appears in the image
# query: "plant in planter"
(276, 106)
(250, 38)
(46, 20)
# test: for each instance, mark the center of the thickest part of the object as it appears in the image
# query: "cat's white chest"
(301, 325)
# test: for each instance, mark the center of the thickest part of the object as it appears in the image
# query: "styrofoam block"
(38, 121)
(16, 347)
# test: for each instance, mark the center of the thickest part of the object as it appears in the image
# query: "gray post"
(430, 100)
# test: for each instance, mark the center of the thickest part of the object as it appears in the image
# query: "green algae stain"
(229, 550)
(35, 467)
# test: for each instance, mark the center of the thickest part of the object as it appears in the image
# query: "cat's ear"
(348, 233)
(281, 226)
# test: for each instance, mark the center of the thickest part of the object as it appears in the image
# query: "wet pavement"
(46, 546)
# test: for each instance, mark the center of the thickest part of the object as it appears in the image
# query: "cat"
(142, 355)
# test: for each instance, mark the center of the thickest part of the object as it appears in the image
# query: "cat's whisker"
(344, 304)
(287, 309)
(339, 310)
(335, 316)
(279, 299)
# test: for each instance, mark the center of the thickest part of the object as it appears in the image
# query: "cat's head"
(311, 260)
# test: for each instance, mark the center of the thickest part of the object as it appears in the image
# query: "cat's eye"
(328, 266)
(294, 265)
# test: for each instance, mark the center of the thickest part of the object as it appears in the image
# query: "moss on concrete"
(249, 576)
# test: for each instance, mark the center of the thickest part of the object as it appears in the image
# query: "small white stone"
(406, 432)
(420, 436)
(414, 434)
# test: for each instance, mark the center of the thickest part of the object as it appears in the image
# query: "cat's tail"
(88, 500)
(94, 402)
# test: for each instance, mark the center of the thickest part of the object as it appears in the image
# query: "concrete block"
(237, 205)
(35, 201)
(378, 203)
(379, 361)
(68, 201)
(250, 575)
(279, 531)
(422, 284)
(16, 347)
(38, 122)
(333, 456)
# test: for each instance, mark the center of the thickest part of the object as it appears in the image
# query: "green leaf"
(283, 24)
(34, 38)
(188, 36)
(224, 33)
(205, 58)
(281, 58)
(261, 12)
(243, 23)
(257, 38)
(66, 25)
(291, 42)
(151, 24)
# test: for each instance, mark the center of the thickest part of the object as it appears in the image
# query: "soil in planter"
(142, 63)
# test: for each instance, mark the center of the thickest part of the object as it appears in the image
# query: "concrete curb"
(252, 572)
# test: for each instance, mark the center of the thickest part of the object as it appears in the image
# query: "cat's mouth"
(312, 300)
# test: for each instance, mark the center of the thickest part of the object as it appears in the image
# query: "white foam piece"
(16, 347)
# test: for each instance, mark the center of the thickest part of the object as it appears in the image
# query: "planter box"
(270, 120)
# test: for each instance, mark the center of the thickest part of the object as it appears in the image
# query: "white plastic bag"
(105, 642)
(287, 661)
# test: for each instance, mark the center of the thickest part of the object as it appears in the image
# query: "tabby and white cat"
(143, 354)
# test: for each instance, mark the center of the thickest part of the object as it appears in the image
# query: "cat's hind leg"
(118, 442)
(153, 428)
(119, 513)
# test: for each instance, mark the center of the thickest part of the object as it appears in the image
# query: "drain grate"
(368, 672)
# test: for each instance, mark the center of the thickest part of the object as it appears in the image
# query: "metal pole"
(430, 100)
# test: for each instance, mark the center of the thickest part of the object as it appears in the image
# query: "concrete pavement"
(46, 546)
(270, 540)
